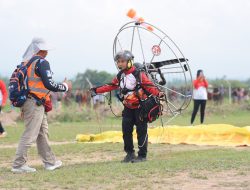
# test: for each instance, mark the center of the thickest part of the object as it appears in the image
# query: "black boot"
(139, 159)
(129, 157)
(1, 128)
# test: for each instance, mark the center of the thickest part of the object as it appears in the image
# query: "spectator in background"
(240, 94)
(68, 96)
(235, 96)
(222, 94)
(78, 97)
(216, 95)
(88, 98)
(210, 92)
(173, 94)
(246, 96)
(3, 99)
(84, 97)
(199, 96)
(54, 99)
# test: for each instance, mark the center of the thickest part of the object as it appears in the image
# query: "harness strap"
(137, 74)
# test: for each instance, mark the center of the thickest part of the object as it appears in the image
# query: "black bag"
(150, 109)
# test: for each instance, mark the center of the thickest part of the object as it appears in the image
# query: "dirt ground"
(226, 180)
(191, 180)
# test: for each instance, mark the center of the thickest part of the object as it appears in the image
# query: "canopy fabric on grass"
(214, 134)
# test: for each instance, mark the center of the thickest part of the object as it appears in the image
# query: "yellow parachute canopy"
(214, 134)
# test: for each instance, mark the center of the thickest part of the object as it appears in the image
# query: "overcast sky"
(213, 34)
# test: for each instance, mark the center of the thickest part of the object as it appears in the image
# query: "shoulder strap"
(32, 60)
(137, 75)
(119, 75)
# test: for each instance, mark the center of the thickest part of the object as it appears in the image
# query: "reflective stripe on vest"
(38, 90)
(35, 83)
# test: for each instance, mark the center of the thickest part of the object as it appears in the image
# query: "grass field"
(97, 166)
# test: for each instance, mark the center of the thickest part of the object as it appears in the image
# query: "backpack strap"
(33, 59)
(137, 75)
(32, 74)
(119, 76)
